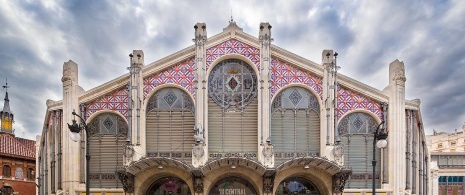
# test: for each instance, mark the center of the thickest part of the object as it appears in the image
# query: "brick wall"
(24, 186)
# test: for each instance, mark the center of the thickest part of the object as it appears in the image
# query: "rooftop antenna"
(5, 87)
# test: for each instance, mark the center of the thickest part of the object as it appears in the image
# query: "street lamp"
(379, 141)
(75, 129)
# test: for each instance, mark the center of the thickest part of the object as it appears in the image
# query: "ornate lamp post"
(379, 141)
(75, 129)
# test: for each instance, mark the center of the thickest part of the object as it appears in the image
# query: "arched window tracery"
(108, 133)
(170, 124)
(356, 132)
(295, 124)
(232, 109)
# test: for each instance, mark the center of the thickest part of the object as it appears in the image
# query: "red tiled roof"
(16, 147)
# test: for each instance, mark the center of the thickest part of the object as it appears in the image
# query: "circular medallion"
(232, 84)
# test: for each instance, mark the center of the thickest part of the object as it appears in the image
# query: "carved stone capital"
(197, 179)
(339, 181)
(127, 179)
(268, 181)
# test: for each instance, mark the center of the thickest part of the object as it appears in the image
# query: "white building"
(448, 162)
(234, 114)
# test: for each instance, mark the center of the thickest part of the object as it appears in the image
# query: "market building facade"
(234, 114)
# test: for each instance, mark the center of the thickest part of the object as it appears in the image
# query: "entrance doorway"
(297, 185)
(233, 185)
(169, 186)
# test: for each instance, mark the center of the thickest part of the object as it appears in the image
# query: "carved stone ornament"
(338, 151)
(127, 179)
(268, 151)
(198, 183)
(268, 182)
(339, 181)
(198, 151)
(400, 74)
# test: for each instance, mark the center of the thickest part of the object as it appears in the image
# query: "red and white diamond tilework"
(182, 74)
(233, 46)
(117, 101)
(349, 100)
(282, 74)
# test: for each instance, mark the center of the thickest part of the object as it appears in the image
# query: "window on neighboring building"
(19, 174)
(440, 145)
(6, 171)
(7, 190)
(452, 143)
(30, 173)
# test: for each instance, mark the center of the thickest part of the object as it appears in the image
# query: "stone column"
(265, 152)
(70, 148)
(200, 150)
(396, 127)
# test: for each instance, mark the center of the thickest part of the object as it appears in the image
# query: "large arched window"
(108, 133)
(6, 171)
(170, 124)
(295, 124)
(356, 132)
(232, 109)
(169, 185)
(297, 185)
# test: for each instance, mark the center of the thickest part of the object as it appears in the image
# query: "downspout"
(407, 153)
(138, 99)
(131, 75)
(414, 156)
(384, 106)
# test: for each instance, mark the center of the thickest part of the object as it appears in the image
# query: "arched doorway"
(169, 186)
(233, 185)
(297, 185)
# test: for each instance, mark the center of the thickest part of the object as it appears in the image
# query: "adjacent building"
(448, 162)
(17, 157)
(233, 114)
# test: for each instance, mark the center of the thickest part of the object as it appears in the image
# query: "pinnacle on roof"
(6, 105)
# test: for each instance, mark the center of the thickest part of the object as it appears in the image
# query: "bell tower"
(5, 115)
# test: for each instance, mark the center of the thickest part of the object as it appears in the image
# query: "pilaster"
(135, 139)
(200, 149)
(264, 94)
(396, 127)
(70, 103)
(329, 122)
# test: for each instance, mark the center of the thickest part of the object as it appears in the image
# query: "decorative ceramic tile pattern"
(117, 101)
(182, 74)
(349, 100)
(233, 46)
(283, 74)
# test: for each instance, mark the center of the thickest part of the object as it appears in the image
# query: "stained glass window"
(232, 84)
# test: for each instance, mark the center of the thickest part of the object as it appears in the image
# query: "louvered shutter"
(233, 132)
(170, 134)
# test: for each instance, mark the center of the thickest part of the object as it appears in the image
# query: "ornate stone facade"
(234, 113)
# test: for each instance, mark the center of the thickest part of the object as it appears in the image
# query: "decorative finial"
(231, 17)
(6, 86)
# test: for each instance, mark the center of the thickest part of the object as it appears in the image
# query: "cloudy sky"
(36, 37)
